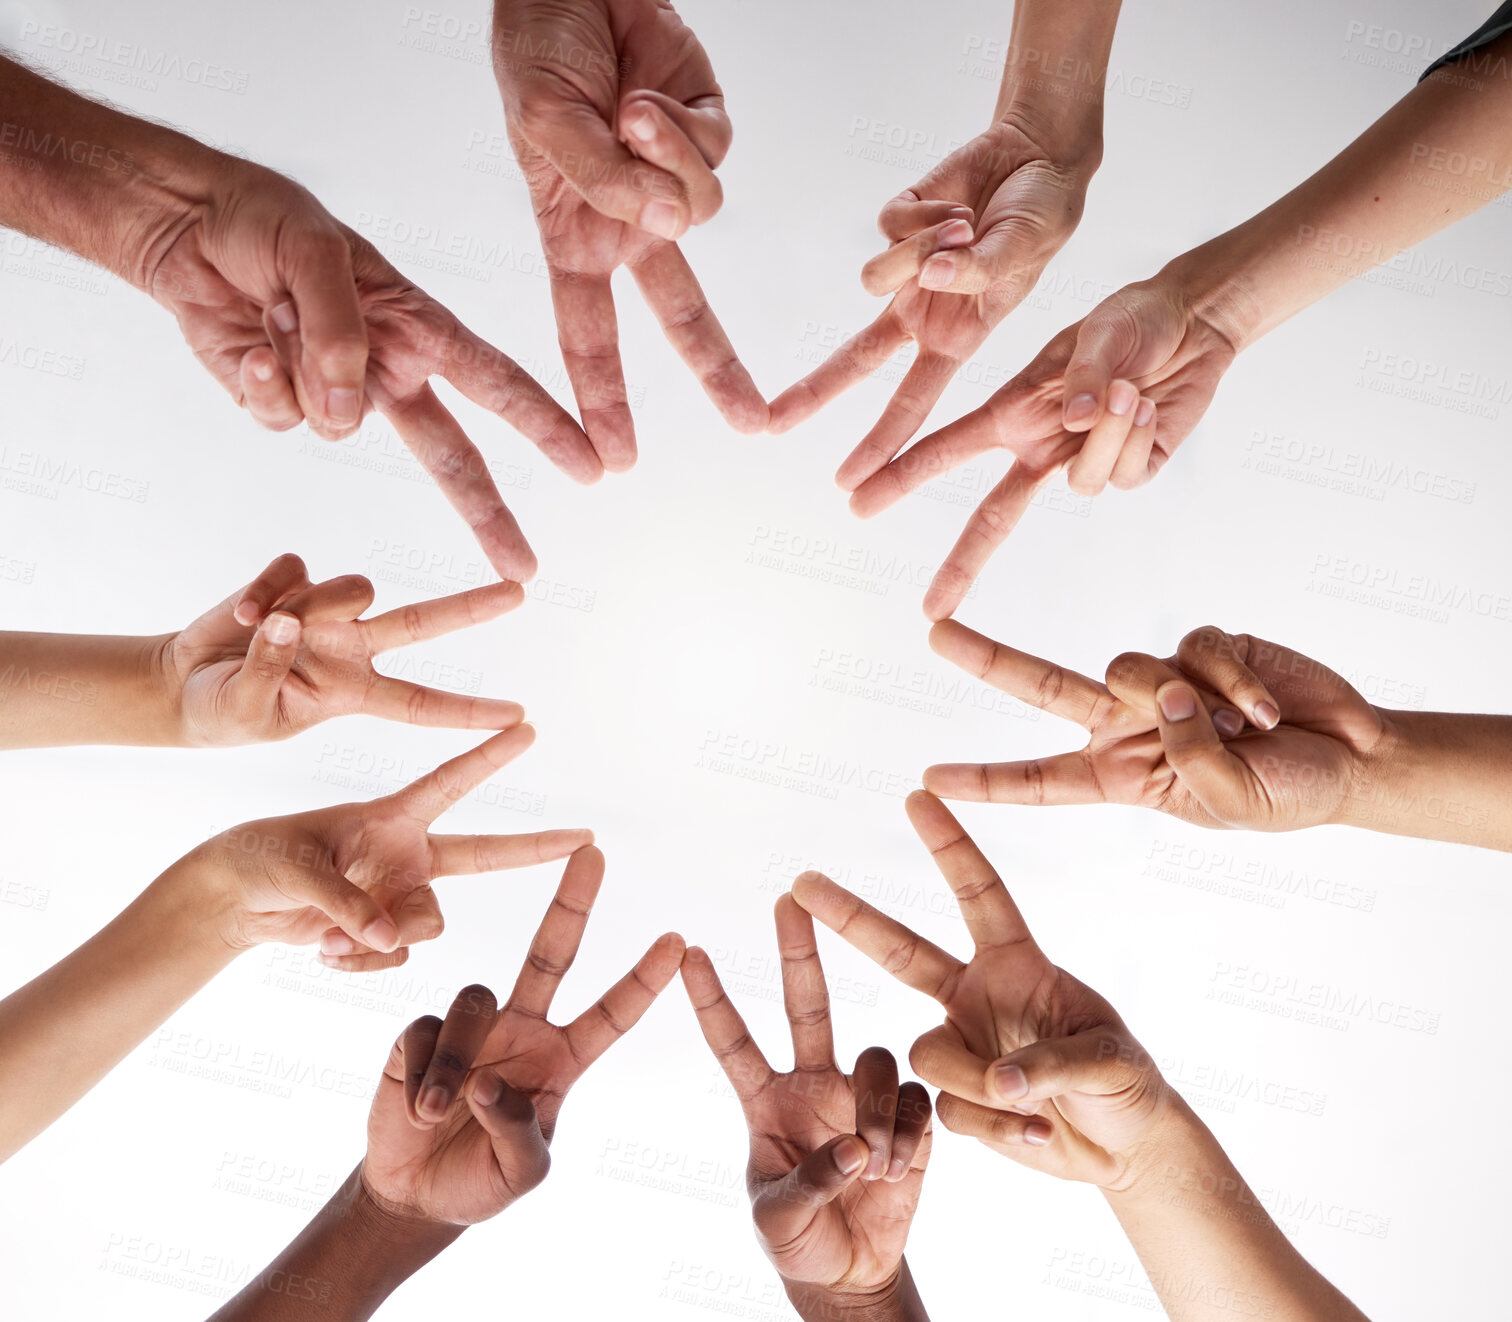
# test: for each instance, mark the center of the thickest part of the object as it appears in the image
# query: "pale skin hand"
(837, 1161)
(971, 239)
(357, 877)
(618, 125)
(1040, 1068)
(293, 313)
(1232, 731)
(467, 1107)
(284, 654)
(1113, 396)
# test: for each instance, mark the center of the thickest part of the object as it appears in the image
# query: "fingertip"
(1037, 1135)
(381, 934)
(247, 612)
(1177, 700)
(850, 1155)
(1267, 717)
(1081, 411)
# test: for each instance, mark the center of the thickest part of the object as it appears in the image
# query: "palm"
(857, 1239)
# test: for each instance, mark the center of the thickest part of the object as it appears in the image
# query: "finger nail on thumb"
(1178, 703)
(281, 629)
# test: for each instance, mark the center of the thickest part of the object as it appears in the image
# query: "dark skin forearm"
(86, 177)
(342, 1266)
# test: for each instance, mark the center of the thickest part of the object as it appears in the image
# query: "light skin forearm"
(60, 689)
(67, 1028)
(83, 176)
(1437, 776)
(1056, 70)
(898, 1301)
(1411, 174)
(1208, 1246)
(342, 1266)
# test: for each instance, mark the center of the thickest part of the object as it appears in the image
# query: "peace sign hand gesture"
(837, 1161)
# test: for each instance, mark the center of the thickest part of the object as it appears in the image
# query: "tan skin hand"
(836, 1161)
(283, 654)
(1232, 731)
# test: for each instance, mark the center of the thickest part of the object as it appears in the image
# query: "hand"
(467, 1106)
(357, 877)
(299, 318)
(1109, 399)
(284, 654)
(618, 124)
(967, 243)
(1232, 731)
(1029, 1060)
(837, 1161)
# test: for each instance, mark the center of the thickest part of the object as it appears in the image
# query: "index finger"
(991, 916)
(494, 381)
(723, 1028)
(1043, 684)
(853, 361)
(905, 954)
(619, 1009)
(435, 792)
(556, 942)
(437, 440)
(423, 620)
(673, 293)
(804, 994)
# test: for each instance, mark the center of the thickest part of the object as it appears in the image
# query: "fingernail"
(337, 943)
(263, 370)
(281, 629)
(1121, 398)
(1037, 1136)
(488, 1089)
(1227, 723)
(1144, 412)
(962, 210)
(938, 272)
(897, 1170)
(330, 961)
(640, 126)
(381, 934)
(1266, 715)
(660, 218)
(285, 318)
(342, 405)
(876, 1166)
(1081, 409)
(1010, 1082)
(434, 1101)
(848, 1161)
(954, 233)
(1178, 703)
(245, 612)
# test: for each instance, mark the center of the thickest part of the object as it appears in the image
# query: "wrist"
(895, 1300)
(161, 688)
(1070, 140)
(383, 1222)
(204, 910)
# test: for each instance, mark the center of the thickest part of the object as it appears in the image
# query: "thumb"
(349, 907)
(1107, 337)
(253, 690)
(601, 169)
(1216, 778)
(786, 1207)
(1101, 1062)
(325, 311)
(1006, 252)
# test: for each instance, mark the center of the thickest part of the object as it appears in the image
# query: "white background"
(164, 1190)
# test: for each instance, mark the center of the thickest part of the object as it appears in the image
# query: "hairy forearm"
(1436, 156)
(1209, 1248)
(83, 176)
(67, 1028)
(1437, 776)
(341, 1266)
(1057, 67)
(898, 1301)
(58, 689)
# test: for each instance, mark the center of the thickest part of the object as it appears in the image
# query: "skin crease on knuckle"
(307, 324)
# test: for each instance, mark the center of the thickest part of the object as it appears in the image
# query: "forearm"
(114, 189)
(898, 1301)
(1437, 776)
(1437, 155)
(1057, 68)
(341, 1266)
(1209, 1248)
(67, 1028)
(58, 689)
